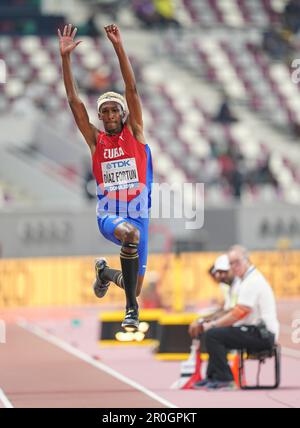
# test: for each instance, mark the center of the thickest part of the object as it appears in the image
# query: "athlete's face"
(111, 114)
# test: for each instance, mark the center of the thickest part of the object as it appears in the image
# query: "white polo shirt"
(256, 293)
(231, 293)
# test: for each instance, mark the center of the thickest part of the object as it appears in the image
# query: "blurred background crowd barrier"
(173, 282)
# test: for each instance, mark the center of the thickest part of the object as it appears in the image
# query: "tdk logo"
(119, 164)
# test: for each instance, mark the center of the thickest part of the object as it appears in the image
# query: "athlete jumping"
(122, 166)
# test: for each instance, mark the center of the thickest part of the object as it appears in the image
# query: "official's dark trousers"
(219, 341)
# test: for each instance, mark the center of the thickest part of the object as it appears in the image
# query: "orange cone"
(196, 377)
(235, 367)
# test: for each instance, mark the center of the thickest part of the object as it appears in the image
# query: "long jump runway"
(36, 373)
(53, 360)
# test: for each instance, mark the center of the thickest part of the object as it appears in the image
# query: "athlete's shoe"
(131, 320)
(100, 286)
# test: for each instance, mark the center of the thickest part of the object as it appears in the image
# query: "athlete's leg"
(129, 236)
(116, 276)
(123, 233)
(140, 285)
(105, 274)
(107, 225)
(132, 235)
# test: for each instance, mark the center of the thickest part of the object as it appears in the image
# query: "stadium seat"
(29, 44)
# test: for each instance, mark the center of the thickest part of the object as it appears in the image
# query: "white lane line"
(3, 399)
(84, 357)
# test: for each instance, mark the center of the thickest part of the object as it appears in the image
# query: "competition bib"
(120, 175)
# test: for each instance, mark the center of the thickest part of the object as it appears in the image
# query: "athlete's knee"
(131, 236)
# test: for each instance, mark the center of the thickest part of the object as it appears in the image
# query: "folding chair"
(261, 357)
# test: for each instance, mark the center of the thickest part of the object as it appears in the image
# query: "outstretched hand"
(113, 34)
(66, 40)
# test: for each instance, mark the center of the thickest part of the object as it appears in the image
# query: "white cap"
(222, 263)
(112, 96)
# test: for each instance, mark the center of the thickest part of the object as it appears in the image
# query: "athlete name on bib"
(120, 175)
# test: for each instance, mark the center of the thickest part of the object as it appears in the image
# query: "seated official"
(251, 325)
(223, 276)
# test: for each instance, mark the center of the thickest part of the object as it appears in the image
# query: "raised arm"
(67, 46)
(135, 120)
